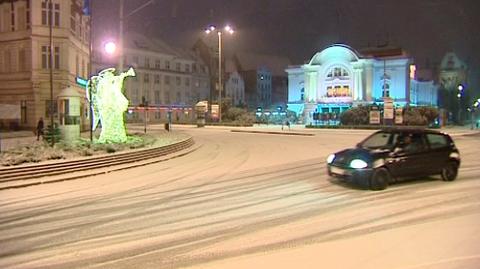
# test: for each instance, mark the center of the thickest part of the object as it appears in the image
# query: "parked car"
(394, 154)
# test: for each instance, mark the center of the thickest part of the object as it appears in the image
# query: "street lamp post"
(229, 30)
(460, 89)
(121, 24)
(50, 59)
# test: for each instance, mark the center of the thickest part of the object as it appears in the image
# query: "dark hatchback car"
(394, 154)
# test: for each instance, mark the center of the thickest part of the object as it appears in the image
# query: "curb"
(273, 132)
(102, 170)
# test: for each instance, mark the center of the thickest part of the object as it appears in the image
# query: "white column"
(311, 90)
(359, 84)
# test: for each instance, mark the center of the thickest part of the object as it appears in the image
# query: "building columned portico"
(339, 77)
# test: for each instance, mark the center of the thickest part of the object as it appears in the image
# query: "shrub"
(420, 115)
(355, 116)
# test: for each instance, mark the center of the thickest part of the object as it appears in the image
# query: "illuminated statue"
(109, 104)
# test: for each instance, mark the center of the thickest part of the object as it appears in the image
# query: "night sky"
(297, 29)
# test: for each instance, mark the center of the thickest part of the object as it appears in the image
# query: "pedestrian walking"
(288, 124)
(40, 128)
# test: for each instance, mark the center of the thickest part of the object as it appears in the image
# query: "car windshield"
(377, 140)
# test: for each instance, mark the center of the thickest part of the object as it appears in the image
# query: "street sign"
(214, 111)
(388, 112)
(374, 117)
(81, 82)
(399, 115)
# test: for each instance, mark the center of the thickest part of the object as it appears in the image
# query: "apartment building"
(168, 81)
(25, 83)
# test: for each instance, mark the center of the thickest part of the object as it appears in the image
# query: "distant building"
(207, 49)
(339, 77)
(25, 54)
(453, 71)
(169, 79)
(265, 79)
(235, 89)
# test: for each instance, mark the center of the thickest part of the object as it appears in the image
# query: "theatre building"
(338, 78)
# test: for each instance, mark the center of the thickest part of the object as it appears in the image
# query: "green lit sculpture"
(109, 104)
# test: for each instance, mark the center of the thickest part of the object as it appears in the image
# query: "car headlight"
(358, 164)
(330, 158)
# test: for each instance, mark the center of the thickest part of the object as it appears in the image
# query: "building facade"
(453, 71)
(25, 56)
(265, 79)
(168, 81)
(339, 77)
(258, 87)
(235, 89)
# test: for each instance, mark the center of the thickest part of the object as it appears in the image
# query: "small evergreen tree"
(51, 133)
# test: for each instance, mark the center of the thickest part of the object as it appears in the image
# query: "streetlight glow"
(110, 47)
(227, 29)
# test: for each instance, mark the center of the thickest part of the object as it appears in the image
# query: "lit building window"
(337, 72)
(338, 91)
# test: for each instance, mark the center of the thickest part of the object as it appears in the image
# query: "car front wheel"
(450, 171)
(380, 179)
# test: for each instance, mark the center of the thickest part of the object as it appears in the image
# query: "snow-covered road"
(242, 201)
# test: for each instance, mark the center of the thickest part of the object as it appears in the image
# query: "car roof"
(410, 129)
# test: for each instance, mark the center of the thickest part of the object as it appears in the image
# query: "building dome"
(337, 52)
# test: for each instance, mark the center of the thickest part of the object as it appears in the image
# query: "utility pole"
(90, 72)
(120, 39)
(220, 76)
(52, 107)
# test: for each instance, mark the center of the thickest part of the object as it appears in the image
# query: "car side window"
(411, 142)
(437, 141)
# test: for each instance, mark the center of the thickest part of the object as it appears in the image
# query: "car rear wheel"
(450, 171)
(380, 179)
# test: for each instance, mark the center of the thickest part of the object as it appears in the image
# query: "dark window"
(44, 13)
(57, 58)
(48, 107)
(28, 15)
(377, 140)
(57, 15)
(13, 17)
(437, 141)
(23, 107)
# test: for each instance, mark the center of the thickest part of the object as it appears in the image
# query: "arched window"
(338, 82)
(337, 72)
